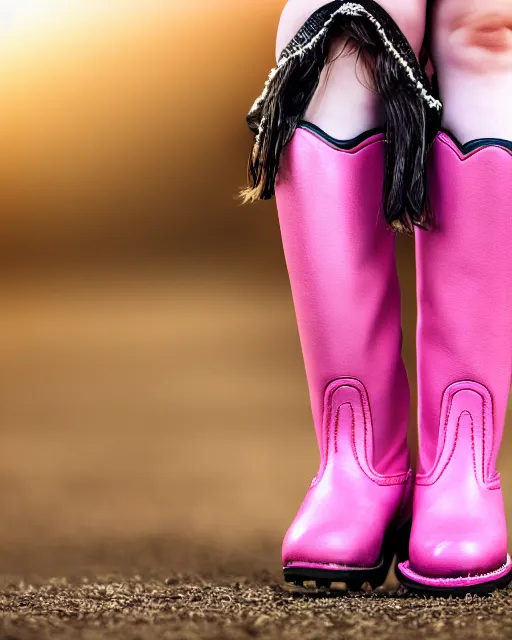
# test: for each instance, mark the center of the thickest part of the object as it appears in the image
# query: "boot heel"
(403, 536)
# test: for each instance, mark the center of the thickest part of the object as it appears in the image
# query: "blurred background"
(153, 406)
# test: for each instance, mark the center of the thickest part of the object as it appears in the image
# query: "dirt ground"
(156, 442)
(191, 608)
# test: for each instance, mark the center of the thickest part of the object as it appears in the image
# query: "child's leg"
(472, 48)
(348, 69)
(346, 103)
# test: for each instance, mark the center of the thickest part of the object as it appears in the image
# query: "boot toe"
(340, 546)
(458, 556)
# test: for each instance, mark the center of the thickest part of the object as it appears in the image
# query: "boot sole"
(354, 577)
(481, 587)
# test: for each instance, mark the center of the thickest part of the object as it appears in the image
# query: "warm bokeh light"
(36, 19)
(40, 14)
(106, 118)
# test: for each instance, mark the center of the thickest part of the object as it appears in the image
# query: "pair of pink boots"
(358, 512)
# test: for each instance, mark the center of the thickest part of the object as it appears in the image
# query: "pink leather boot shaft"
(465, 284)
(464, 337)
(341, 263)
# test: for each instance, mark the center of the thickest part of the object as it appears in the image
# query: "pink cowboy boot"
(459, 536)
(336, 202)
(341, 263)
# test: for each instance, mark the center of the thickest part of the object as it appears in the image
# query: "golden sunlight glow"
(25, 22)
(16, 14)
(31, 29)
(40, 14)
(99, 98)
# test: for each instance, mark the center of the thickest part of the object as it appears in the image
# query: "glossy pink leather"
(464, 342)
(341, 263)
